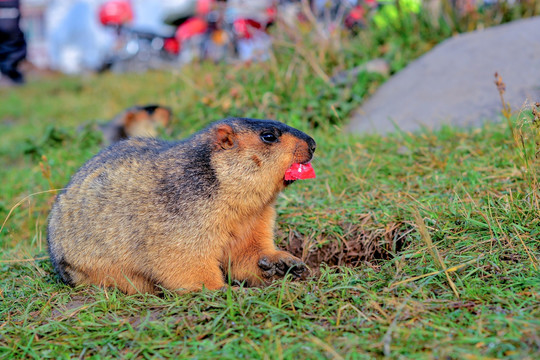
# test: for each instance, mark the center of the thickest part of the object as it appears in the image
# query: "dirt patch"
(71, 308)
(139, 321)
(358, 244)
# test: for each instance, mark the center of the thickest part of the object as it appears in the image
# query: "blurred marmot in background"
(136, 121)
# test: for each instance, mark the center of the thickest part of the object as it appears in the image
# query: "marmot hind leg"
(131, 283)
(193, 277)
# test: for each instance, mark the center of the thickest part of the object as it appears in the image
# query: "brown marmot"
(147, 213)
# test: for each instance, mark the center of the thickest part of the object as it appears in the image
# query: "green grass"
(465, 201)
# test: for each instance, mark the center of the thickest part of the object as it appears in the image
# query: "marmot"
(136, 121)
(148, 213)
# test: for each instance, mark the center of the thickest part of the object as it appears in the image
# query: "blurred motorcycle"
(205, 29)
(134, 49)
(227, 31)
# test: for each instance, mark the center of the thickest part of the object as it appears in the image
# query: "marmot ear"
(225, 137)
(129, 118)
(162, 116)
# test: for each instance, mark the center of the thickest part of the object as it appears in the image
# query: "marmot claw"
(282, 266)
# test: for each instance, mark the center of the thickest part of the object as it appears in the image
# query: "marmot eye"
(268, 137)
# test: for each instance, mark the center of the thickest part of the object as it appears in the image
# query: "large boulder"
(454, 82)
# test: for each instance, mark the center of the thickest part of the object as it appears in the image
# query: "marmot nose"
(312, 145)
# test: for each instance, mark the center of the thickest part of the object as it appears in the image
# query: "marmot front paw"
(282, 264)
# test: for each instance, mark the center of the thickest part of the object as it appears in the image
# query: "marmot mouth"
(288, 182)
(300, 171)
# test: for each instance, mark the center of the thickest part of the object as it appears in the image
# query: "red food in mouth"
(300, 172)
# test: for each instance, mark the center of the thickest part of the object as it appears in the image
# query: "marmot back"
(146, 213)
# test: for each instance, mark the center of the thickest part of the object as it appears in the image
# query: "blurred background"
(75, 36)
(425, 240)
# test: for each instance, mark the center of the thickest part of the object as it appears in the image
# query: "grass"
(461, 282)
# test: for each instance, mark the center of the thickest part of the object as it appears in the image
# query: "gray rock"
(454, 82)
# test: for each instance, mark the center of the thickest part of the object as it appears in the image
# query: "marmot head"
(146, 121)
(255, 154)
